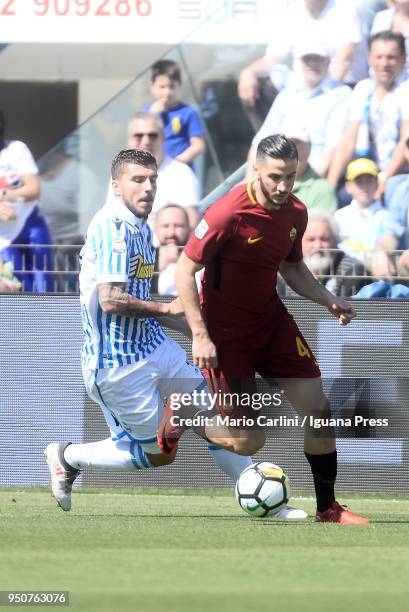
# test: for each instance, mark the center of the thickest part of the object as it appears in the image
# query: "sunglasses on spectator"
(150, 135)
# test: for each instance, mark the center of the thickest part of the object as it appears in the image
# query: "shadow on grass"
(211, 517)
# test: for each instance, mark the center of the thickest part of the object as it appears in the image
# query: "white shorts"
(132, 397)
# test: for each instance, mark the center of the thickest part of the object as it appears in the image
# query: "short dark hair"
(131, 156)
(277, 146)
(388, 35)
(168, 68)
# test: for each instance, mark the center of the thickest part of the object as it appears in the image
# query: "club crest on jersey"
(293, 233)
(140, 269)
(117, 223)
(176, 125)
(201, 229)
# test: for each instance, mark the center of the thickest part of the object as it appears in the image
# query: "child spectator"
(184, 133)
(366, 228)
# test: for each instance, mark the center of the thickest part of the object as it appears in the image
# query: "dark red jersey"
(241, 245)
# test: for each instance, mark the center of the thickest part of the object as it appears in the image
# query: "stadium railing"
(66, 268)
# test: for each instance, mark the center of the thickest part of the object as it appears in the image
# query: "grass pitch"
(171, 551)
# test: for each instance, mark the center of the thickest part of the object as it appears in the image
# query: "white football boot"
(290, 514)
(62, 474)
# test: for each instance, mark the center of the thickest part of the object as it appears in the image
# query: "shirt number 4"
(301, 348)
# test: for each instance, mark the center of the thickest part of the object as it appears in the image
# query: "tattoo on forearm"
(114, 298)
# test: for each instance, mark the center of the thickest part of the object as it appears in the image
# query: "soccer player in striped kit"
(129, 364)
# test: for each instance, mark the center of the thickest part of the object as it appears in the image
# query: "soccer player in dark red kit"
(242, 327)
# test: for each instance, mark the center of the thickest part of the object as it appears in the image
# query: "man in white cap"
(334, 22)
(318, 99)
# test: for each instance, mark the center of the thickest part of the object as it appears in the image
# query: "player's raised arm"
(203, 349)
(114, 299)
(300, 279)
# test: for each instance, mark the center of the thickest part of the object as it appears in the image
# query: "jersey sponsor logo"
(251, 240)
(140, 269)
(201, 229)
(293, 233)
(119, 245)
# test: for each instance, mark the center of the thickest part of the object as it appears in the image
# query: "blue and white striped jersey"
(118, 248)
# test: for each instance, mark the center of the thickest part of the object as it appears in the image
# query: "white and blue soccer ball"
(263, 489)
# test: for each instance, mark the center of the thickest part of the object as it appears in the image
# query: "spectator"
(313, 190)
(395, 19)
(176, 181)
(367, 10)
(183, 129)
(397, 202)
(404, 261)
(379, 115)
(337, 271)
(319, 100)
(172, 231)
(366, 228)
(383, 289)
(24, 233)
(333, 22)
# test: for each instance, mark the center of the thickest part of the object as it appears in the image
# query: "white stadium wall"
(365, 372)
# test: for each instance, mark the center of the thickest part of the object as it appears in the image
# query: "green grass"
(173, 551)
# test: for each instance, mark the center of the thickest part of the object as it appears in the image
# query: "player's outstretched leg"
(62, 474)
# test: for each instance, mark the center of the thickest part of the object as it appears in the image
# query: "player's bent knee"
(248, 446)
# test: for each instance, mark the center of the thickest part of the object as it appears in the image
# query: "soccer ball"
(262, 489)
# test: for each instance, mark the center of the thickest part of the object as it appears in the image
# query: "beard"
(319, 262)
(269, 197)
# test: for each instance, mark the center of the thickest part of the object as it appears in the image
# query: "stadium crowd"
(334, 78)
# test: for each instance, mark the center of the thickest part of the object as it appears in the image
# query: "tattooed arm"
(114, 299)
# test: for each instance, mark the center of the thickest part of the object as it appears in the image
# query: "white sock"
(108, 455)
(229, 462)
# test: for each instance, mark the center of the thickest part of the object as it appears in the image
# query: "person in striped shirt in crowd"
(130, 365)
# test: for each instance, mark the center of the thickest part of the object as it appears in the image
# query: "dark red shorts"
(280, 351)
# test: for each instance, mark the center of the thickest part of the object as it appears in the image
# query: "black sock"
(67, 466)
(324, 471)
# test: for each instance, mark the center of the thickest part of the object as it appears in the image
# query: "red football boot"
(339, 514)
(169, 434)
